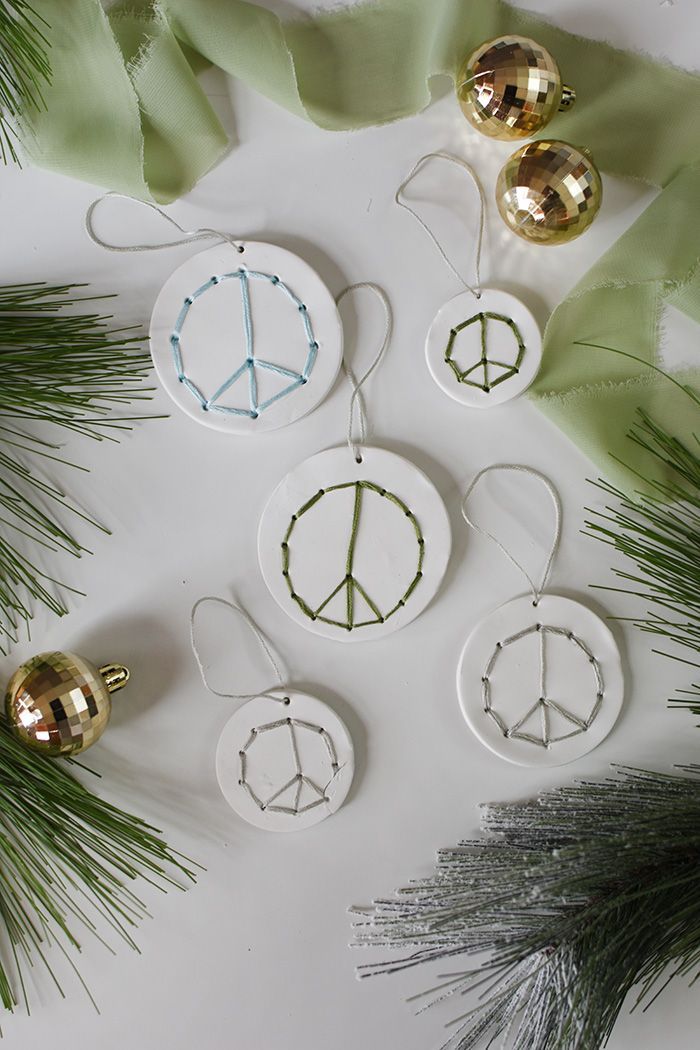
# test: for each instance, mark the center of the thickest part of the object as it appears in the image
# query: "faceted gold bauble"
(510, 87)
(548, 192)
(59, 704)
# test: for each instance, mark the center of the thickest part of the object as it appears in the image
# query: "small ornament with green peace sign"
(354, 542)
(483, 347)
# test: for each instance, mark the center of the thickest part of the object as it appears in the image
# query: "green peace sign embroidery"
(489, 381)
(349, 583)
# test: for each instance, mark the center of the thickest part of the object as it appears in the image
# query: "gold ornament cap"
(549, 192)
(510, 88)
(59, 704)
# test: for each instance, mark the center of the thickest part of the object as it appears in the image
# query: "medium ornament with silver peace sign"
(245, 337)
(540, 679)
(285, 760)
(483, 347)
(354, 542)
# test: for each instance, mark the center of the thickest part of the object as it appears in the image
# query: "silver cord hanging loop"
(554, 495)
(264, 645)
(476, 289)
(356, 439)
(189, 236)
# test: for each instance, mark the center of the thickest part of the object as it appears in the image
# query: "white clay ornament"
(285, 760)
(484, 350)
(540, 679)
(245, 337)
(354, 551)
(354, 542)
(484, 347)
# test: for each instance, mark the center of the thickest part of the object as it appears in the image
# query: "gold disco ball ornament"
(549, 192)
(59, 703)
(510, 87)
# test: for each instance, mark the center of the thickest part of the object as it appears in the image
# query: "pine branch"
(24, 69)
(587, 893)
(659, 533)
(59, 369)
(66, 861)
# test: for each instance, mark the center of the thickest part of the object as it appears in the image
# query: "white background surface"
(256, 955)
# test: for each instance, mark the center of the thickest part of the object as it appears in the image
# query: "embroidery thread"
(251, 363)
(295, 785)
(544, 703)
(488, 381)
(349, 583)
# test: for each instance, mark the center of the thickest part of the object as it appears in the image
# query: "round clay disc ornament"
(354, 550)
(285, 764)
(246, 338)
(485, 350)
(541, 684)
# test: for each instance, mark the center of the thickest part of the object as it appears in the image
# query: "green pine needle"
(66, 861)
(24, 69)
(659, 533)
(59, 368)
(578, 898)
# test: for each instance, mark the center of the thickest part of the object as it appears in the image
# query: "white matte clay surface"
(255, 956)
(457, 331)
(293, 754)
(213, 344)
(388, 574)
(544, 704)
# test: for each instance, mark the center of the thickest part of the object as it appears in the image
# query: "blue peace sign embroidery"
(251, 362)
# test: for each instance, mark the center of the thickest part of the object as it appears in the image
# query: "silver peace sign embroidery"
(544, 705)
(287, 798)
(249, 367)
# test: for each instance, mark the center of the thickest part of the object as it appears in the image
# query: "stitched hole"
(358, 459)
(240, 249)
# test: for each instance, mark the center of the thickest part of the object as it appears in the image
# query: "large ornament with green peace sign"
(354, 550)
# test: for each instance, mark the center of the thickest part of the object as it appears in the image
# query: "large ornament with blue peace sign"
(246, 338)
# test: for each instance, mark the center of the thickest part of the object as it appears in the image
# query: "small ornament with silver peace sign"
(540, 679)
(484, 347)
(285, 759)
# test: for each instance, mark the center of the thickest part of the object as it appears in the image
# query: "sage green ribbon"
(125, 111)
